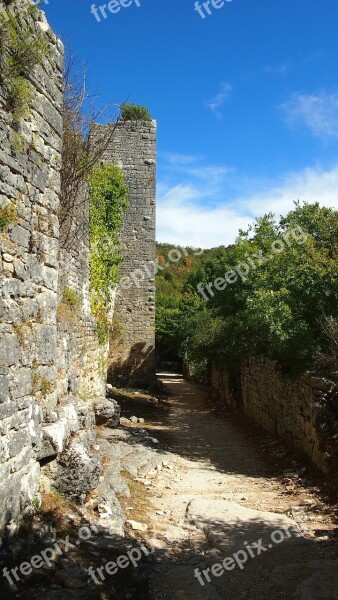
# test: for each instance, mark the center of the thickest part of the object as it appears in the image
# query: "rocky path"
(208, 507)
(222, 490)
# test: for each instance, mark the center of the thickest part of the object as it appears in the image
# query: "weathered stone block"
(45, 340)
(76, 472)
(19, 236)
(21, 384)
(107, 412)
(10, 351)
(4, 384)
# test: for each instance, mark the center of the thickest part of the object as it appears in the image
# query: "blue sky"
(246, 101)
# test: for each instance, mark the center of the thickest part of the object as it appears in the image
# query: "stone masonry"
(52, 368)
(30, 179)
(133, 149)
(302, 411)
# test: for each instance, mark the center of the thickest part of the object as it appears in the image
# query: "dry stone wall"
(52, 368)
(30, 179)
(82, 361)
(302, 411)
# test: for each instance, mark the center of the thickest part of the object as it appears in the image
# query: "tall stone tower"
(132, 348)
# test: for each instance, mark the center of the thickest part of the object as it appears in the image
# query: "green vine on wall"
(108, 200)
(22, 48)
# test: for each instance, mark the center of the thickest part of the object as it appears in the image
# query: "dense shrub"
(134, 112)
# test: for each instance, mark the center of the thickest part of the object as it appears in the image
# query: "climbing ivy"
(108, 199)
(22, 48)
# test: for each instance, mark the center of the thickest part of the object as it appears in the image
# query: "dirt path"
(227, 511)
(217, 494)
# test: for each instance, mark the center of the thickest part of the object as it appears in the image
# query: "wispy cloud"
(318, 112)
(190, 167)
(197, 214)
(281, 69)
(216, 103)
(176, 159)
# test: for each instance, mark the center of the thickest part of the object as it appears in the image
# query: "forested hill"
(174, 264)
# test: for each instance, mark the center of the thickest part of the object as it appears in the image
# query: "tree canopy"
(273, 292)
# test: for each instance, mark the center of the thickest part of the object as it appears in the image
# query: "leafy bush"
(71, 298)
(134, 112)
(169, 284)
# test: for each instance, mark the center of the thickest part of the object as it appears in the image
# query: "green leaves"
(279, 307)
(8, 215)
(134, 112)
(108, 200)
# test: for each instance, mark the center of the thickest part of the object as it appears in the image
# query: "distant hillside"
(175, 263)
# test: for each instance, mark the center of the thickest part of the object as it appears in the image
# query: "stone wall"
(133, 149)
(30, 159)
(82, 361)
(302, 411)
(52, 368)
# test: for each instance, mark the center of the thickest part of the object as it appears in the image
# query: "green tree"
(283, 306)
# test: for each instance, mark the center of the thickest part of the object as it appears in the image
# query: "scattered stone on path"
(107, 412)
(136, 526)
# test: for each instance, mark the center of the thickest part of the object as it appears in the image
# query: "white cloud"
(216, 103)
(183, 221)
(310, 185)
(318, 112)
(205, 216)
